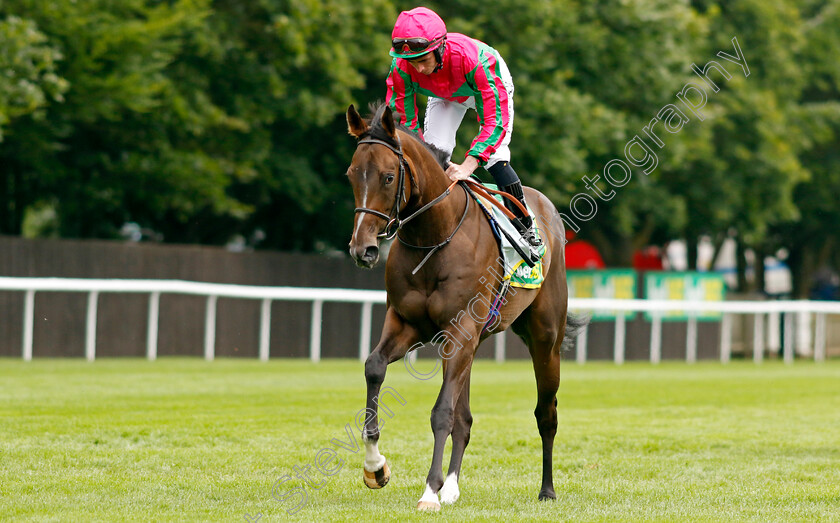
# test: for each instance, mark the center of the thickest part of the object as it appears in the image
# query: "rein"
(486, 192)
(444, 243)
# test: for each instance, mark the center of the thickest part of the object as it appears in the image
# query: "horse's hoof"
(428, 506)
(378, 479)
(448, 497)
(546, 495)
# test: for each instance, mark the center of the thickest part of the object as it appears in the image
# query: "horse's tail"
(574, 324)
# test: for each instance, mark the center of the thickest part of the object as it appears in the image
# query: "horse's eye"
(389, 178)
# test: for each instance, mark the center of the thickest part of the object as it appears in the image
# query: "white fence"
(800, 309)
(367, 298)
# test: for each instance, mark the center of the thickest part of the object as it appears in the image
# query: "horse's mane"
(375, 130)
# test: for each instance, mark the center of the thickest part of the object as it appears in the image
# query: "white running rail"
(213, 291)
(367, 298)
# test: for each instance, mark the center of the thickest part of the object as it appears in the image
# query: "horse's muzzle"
(365, 257)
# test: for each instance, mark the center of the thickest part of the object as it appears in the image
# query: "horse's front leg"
(456, 371)
(397, 337)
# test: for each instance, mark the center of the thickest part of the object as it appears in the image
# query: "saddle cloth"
(517, 271)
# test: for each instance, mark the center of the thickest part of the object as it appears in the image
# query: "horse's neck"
(435, 223)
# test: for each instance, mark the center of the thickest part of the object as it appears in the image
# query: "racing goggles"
(414, 47)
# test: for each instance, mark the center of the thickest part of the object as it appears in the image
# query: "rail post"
(726, 338)
(315, 331)
(365, 330)
(210, 328)
(618, 346)
(28, 324)
(90, 330)
(656, 338)
(265, 328)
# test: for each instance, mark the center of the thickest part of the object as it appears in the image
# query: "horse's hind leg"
(450, 492)
(542, 328)
(397, 338)
(547, 371)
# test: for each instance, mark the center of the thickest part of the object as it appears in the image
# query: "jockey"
(457, 73)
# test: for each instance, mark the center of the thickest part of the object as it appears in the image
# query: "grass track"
(187, 440)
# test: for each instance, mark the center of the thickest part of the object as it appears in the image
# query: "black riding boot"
(508, 181)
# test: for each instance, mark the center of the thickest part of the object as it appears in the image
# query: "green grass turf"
(188, 440)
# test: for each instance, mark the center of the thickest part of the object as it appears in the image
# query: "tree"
(205, 120)
(28, 84)
(588, 79)
(813, 239)
(198, 120)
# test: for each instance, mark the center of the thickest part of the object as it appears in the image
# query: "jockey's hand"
(462, 171)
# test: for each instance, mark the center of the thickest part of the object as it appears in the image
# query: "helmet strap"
(439, 56)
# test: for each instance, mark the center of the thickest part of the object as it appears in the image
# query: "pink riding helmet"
(416, 33)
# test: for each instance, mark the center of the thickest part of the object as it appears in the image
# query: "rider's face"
(424, 64)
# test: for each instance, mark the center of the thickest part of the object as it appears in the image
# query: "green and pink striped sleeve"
(401, 96)
(491, 106)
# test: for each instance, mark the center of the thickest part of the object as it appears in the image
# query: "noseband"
(393, 224)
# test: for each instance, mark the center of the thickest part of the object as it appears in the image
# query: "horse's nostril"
(371, 252)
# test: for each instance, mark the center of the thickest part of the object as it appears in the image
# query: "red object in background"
(580, 254)
(648, 259)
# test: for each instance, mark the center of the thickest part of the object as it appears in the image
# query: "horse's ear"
(356, 125)
(388, 122)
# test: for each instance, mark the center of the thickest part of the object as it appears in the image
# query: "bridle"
(393, 221)
(393, 218)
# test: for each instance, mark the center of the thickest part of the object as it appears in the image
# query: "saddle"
(518, 266)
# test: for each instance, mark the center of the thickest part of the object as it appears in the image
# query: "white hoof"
(428, 506)
(450, 493)
(429, 501)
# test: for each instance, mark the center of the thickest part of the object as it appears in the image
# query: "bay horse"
(432, 272)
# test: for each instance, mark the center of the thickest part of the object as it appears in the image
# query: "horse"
(445, 246)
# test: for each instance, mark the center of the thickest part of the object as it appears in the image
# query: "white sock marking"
(373, 459)
(429, 496)
(450, 493)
